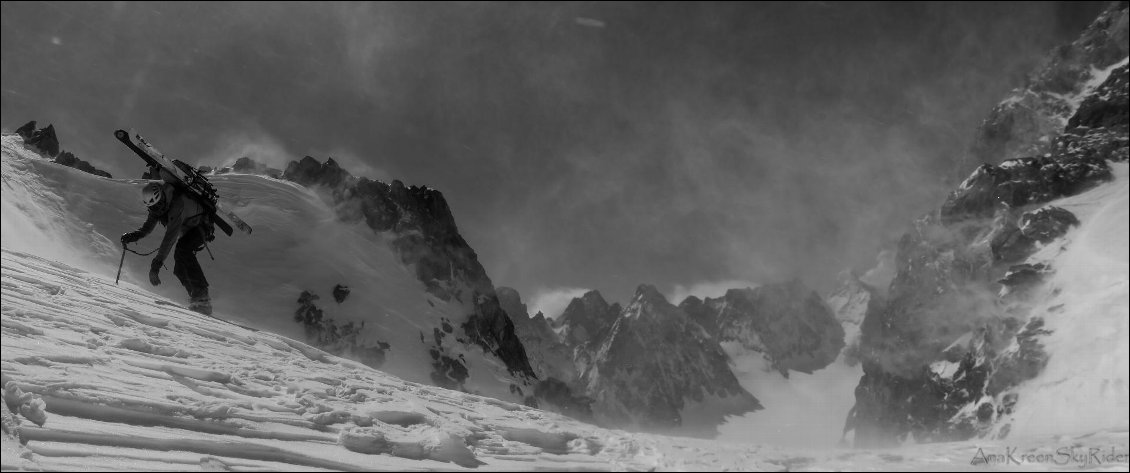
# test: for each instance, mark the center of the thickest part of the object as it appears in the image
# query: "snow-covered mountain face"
(559, 387)
(1026, 123)
(850, 302)
(1007, 316)
(788, 323)
(655, 366)
(660, 369)
(587, 319)
(99, 376)
(425, 237)
(421, 306)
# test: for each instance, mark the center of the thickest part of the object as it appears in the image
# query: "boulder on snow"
(1047, 223)
(340, 292)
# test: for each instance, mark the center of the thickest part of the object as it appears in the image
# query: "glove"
(130, 237)
(154, 270)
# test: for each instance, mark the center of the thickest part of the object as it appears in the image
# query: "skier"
(189, 226)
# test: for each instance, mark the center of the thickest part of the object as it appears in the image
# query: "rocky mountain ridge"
(956, 333)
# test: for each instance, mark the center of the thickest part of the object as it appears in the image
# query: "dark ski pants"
(185, 266)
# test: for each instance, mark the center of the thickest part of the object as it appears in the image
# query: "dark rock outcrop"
(70, 160)
(559, 388)
(587, 319)
(548, 356)
(1107, 107)
(46, 142)
(246, 165)
(309, 172)
(1021, 124)
(787, 322)
(957, 331)
(26, 131)
(1021, 182)
(340, 292)
(339, 339)
(1047, 223)
(425, 237)
(1023, 275)
(657, 360)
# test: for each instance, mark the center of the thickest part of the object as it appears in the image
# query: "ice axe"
(123, 262)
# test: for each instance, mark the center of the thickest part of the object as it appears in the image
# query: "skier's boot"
(201, 304)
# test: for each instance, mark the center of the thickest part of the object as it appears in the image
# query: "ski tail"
(223, 224)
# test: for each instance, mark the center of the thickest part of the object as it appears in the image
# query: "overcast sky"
(580, 145)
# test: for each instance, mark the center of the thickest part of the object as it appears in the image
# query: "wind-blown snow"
(129, 383)
(1085, 384)
(803, 410)
(297, 245)
(120, 378)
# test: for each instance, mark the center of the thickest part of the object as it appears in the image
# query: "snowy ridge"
(298, 245)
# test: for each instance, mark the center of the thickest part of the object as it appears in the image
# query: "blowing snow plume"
(283, 274)
(966, 329)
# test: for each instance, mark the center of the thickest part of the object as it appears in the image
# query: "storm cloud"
(580, 145)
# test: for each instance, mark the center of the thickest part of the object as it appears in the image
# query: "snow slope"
(132, 384)
(1086, 384)
(76, 219)
(803, 410)
(129, 381)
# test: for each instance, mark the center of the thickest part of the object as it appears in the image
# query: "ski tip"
(121, 134)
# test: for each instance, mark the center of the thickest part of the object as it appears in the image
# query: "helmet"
(152, 194)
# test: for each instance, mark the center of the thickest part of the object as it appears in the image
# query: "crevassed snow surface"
(130, 382)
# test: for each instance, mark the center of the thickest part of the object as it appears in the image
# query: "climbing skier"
(189, 226)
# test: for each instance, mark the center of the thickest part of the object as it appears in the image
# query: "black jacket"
(179, 214)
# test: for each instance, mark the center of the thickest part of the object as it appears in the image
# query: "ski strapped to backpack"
(186, 178)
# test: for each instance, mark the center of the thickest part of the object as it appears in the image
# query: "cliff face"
(422, 231)
(559, 387)
(788, 323)
(1022, 124)
(46, 142)
(957, 333)
(656, 361)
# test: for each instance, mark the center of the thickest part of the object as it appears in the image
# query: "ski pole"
(123, 262)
